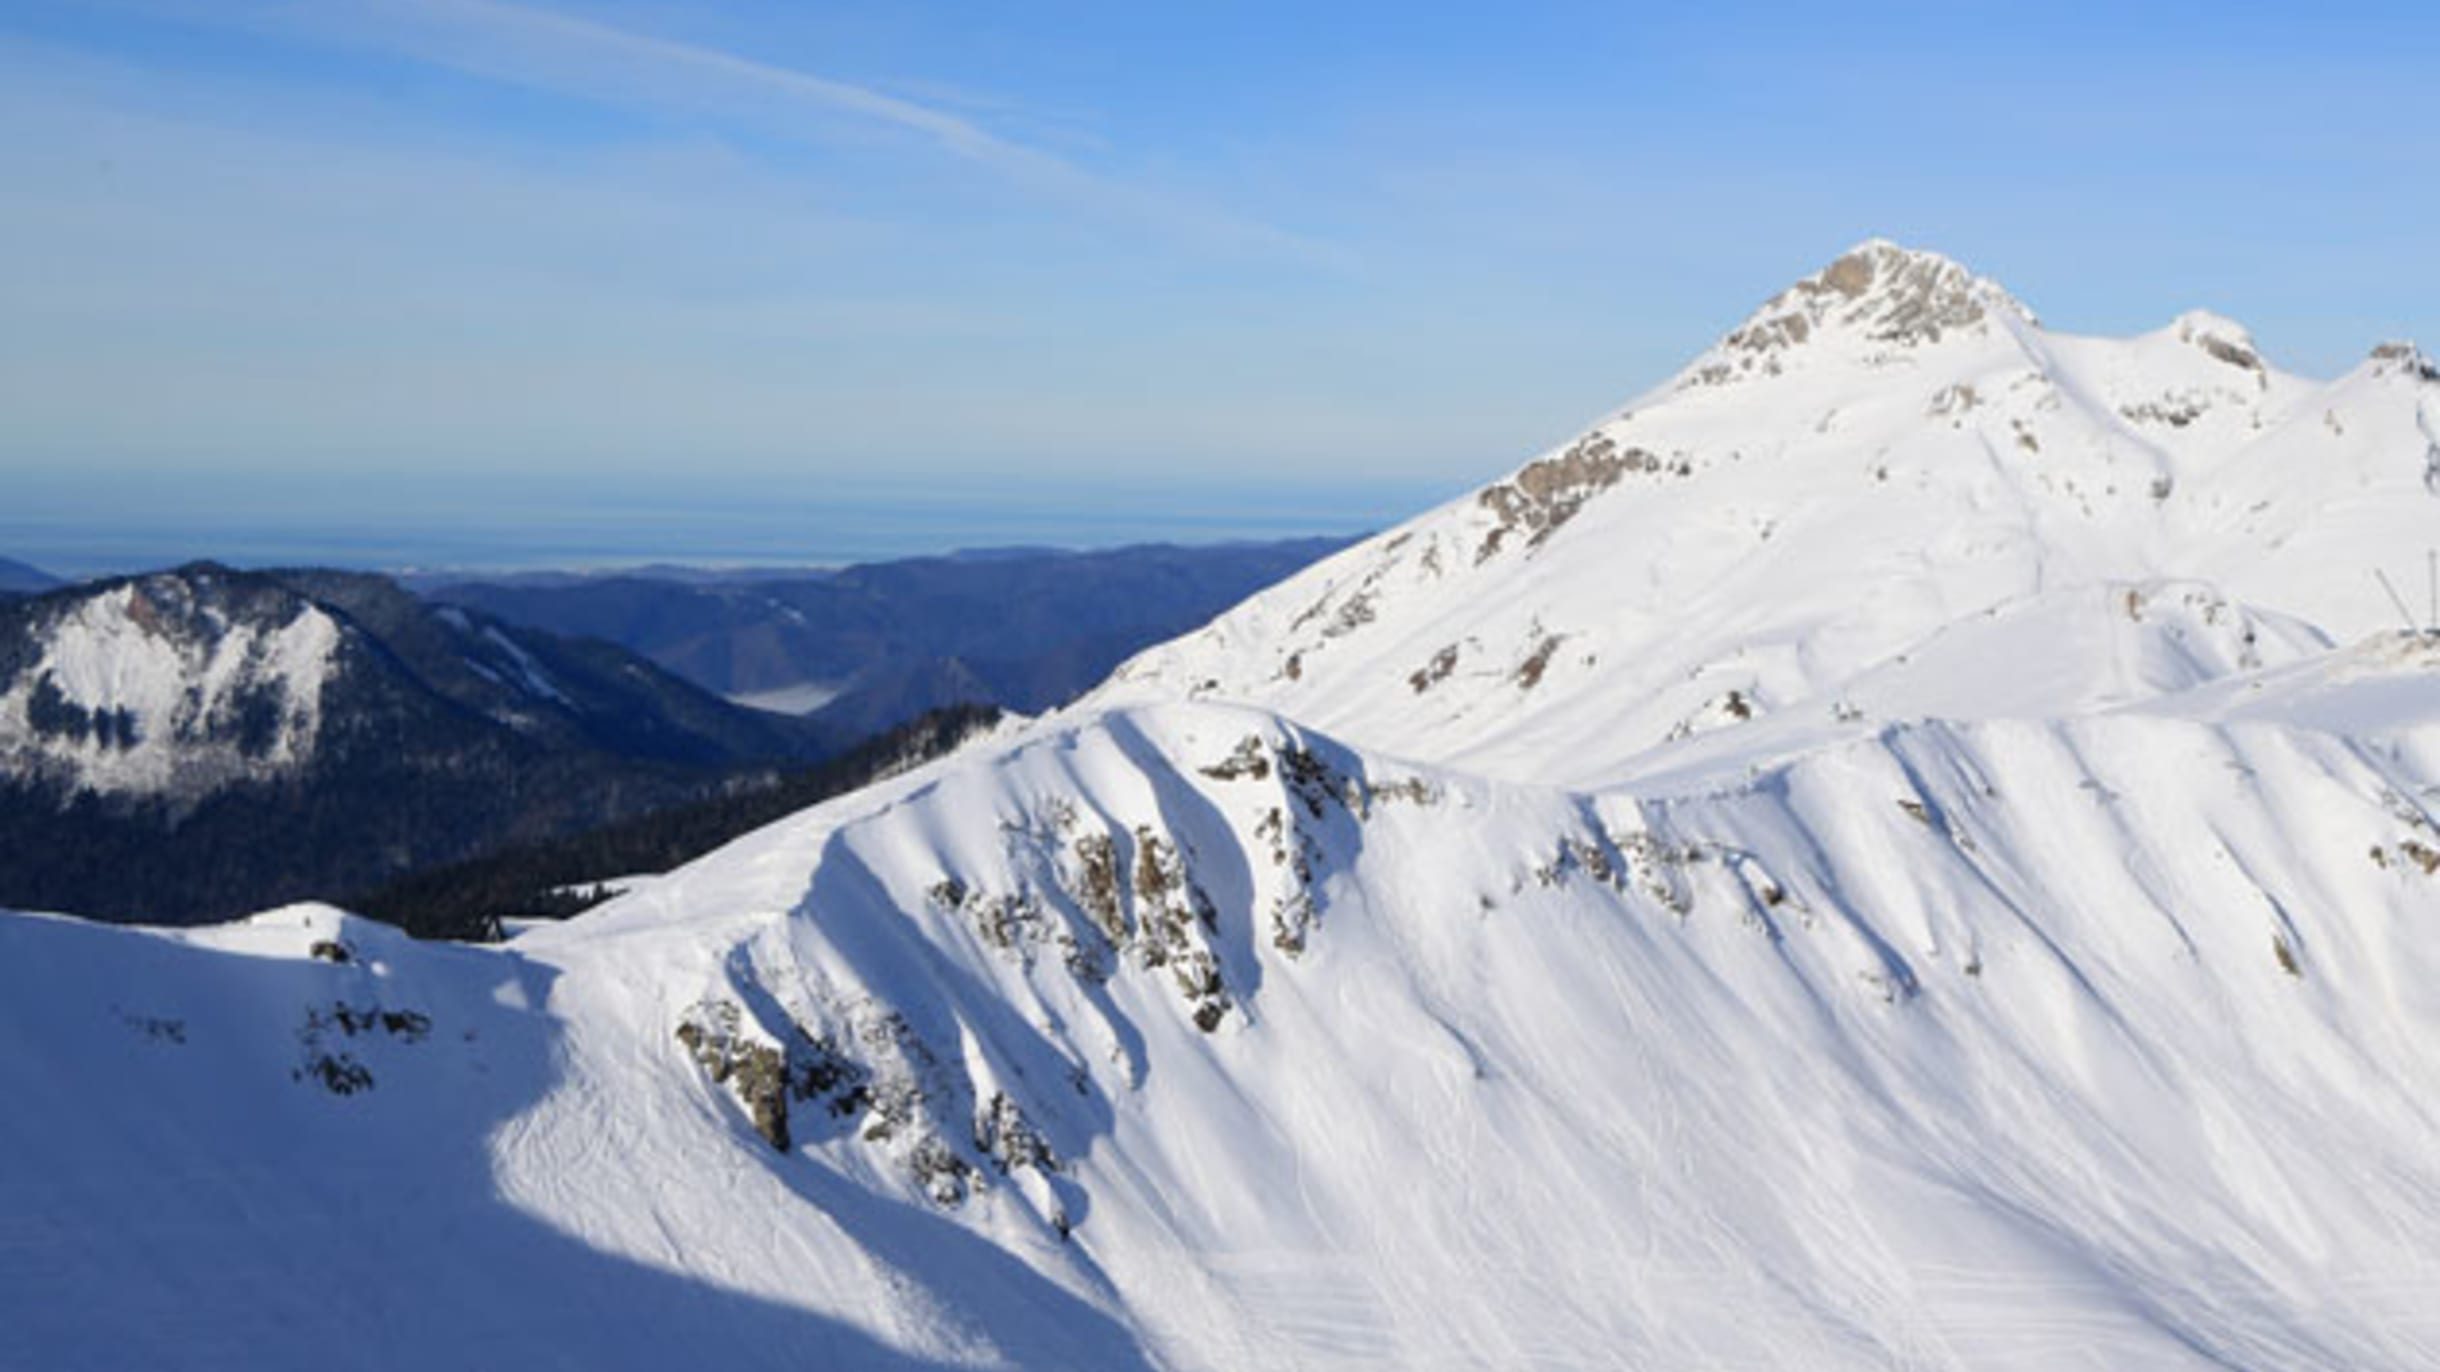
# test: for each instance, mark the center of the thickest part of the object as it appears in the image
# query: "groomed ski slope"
(2036, 976)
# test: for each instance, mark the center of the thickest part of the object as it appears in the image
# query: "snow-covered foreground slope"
(1987, 941)
(2031, 1044)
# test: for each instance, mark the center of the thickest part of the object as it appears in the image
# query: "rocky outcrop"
(1879, 296)
(1546, 494)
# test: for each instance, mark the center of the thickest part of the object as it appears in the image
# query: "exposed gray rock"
(1549, 493)
(1881, 292)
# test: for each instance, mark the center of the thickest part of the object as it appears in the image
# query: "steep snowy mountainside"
(2087, 649)
(278, 1144)
(1915, 1050)
(2349, 484)
(1183, 1036)
(1892, 445)
(164, 683)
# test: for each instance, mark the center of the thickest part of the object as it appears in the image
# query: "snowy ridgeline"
(1799, 879)
(1885, 454)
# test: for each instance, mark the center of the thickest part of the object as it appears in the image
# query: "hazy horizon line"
(70, 538)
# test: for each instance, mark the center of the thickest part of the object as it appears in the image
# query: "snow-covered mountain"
(1879, 453)
(165, 686)
(1909, 846)
(185, 743)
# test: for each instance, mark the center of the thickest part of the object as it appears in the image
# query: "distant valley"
(866, 647)
(194, 744)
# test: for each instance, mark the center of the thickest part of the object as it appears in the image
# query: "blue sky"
(353, 260)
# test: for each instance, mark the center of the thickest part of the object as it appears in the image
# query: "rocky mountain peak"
(1882, 292)
(2401, 358)
(2222, 338)
(1875, 299)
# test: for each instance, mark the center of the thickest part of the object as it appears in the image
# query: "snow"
(530, 676)
(1800, 524)
(1864, 892)
(182, 692)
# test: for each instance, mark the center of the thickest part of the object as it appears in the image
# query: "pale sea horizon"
(76, 534)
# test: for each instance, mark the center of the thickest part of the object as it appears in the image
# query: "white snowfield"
(161, 695)
(1921, 855)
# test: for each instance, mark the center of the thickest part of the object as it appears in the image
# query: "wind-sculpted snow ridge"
(1910, 864)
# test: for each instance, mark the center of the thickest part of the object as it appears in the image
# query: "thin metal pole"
(2399, 601)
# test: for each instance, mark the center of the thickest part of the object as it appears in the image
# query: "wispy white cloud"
(545, 49)
(300, 284)
(522, 42)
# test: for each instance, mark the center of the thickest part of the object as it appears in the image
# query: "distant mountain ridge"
(195, 743)
(18, 578)
(1022, 628)
(189, 744)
